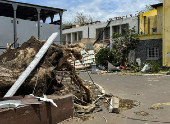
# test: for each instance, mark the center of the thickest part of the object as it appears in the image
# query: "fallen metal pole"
(32, 65)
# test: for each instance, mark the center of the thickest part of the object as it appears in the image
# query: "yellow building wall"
(149, 37)
(166, 32)
(159, 19)
(145, 25)
(153, 23)
(142, 23)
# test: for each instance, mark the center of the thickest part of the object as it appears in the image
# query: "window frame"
(153, 53)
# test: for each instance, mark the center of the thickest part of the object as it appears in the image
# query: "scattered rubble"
(54, 75)
(142, 113)
(156, 106)
(16, 61)
(128, 104)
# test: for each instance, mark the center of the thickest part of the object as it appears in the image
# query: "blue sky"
(100, 10)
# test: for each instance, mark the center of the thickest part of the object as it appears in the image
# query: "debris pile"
(14, 61)
(53, 75)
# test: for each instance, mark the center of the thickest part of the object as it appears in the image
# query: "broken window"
(100, 33)
(107, 32)
(152, 53)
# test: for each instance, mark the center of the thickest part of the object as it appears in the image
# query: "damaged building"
(22, 20)
(151, 33)
(92, 31)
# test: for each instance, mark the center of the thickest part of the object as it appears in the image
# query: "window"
(124, 28)
(153, 53)
(116, 29)
(154, 30)
(107, 32)
(100, 33)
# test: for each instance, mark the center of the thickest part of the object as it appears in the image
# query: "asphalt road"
(148, 90)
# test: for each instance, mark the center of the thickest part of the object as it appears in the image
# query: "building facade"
(93, 31)
(150, 45)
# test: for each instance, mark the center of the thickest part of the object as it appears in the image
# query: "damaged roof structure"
(91, 31)
(25, 16)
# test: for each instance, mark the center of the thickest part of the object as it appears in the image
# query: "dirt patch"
(128, 104)
(142, 113)
(156, 106)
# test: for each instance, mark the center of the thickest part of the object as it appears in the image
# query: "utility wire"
(101, 32)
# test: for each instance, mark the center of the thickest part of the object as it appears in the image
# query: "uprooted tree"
(43, 78)
(121, 45)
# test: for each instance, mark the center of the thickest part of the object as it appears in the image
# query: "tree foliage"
(122, 44)
(67, 23)
(79, 19)
(102, 56)
(147, 9)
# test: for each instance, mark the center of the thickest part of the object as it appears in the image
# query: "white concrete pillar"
(77, 36)
(71, 38)
(66, 39)
(103, 35)
(39, 27)
(15, 22)
(120, 29)
(74, 37)
(61, 13)
(111, 33)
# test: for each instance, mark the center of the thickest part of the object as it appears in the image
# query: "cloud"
(103, 10)
(98, 9)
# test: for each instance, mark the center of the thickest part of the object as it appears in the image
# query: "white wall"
(48, 29)
(132, 21)
(84, 29)
(25, 29)
(6, 31)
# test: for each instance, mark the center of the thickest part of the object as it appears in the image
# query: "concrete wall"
(166, 32)
(6, 31)
(132, 21)
(141, 50)
(25, 29)
(44, 113)
(159, 19)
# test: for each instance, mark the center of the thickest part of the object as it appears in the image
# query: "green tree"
(146, 9)
(67, 23)
(79, 19)
(122, 44)
(102, 56)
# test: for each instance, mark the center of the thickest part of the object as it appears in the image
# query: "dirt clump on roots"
(13, 63)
